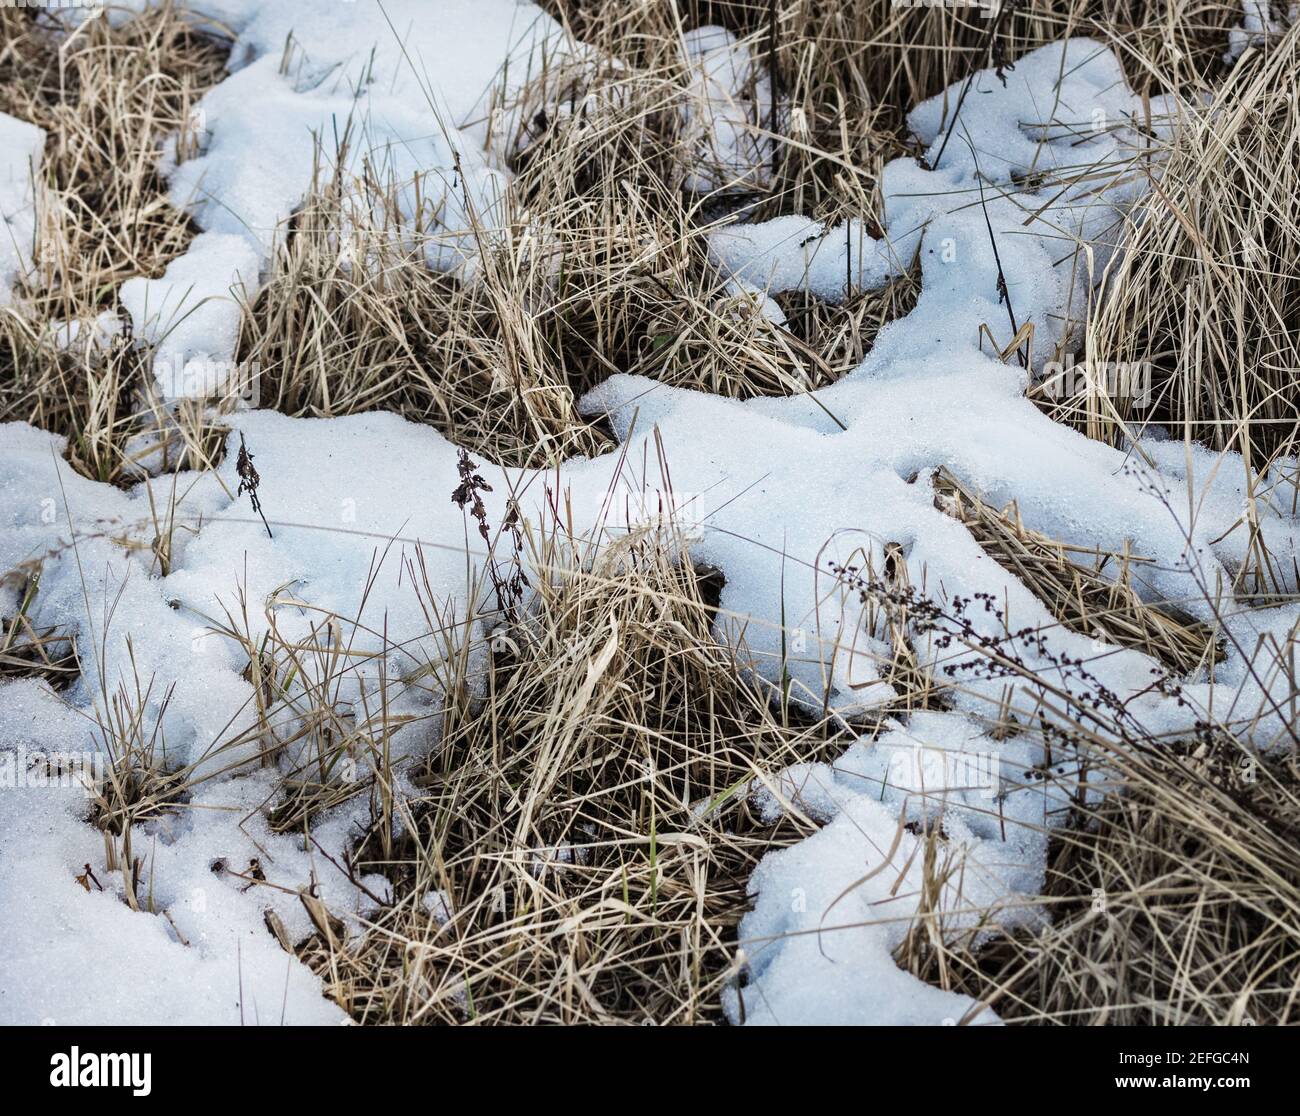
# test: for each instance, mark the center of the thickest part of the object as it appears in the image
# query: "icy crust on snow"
(22, 147)
(771, 492)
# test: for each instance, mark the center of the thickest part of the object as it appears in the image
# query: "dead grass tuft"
(1175, 901)
(351, 319)
(601, 267)
(106, 96)
(584, 837)
(1208, 292)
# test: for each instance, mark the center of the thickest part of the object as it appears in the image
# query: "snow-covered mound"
(774, 491)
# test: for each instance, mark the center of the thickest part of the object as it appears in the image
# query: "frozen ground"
(774, 490)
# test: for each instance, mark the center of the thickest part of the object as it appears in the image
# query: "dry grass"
(1209, 291)
(585, 817)
(330, 338)
(28, 651)
(586, 824)
(1173, 902)
(106, 96)
(1095, 598)
(602, 267)
(850, 72)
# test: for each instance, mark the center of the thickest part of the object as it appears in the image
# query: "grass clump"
(107, 95)
(1207, 293)
(1174, 901)
(584, 837)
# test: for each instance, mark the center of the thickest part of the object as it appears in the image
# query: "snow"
(74, 957)
(95, 333)
(22, 146)
(771, 491)
(1062, 111)
(1257, 24)
(728, 109)
(417, 91)
(830, 911)
(191, 315)
(415, 98)
(796, 253)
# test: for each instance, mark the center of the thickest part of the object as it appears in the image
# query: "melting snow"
(774, 490)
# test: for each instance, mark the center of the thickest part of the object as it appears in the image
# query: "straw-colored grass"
(29, 651)
(586, 826)
(603, 267)
(106, 96)
(1089, 591)
(1208, 292)
(1173, 902)
(579, 846)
